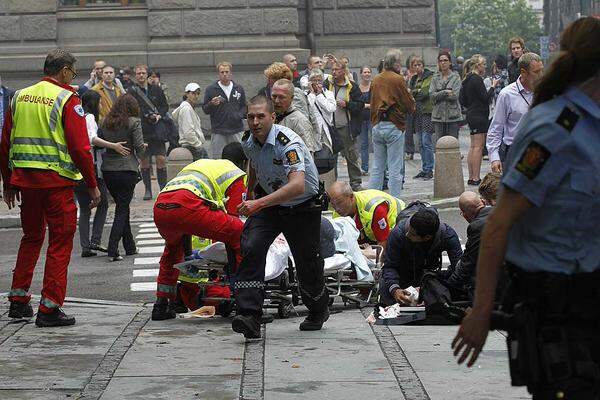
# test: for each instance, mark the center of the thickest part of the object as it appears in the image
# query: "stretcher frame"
(340, 284)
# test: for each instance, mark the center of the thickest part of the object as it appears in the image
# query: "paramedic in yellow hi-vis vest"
(44, 152)
(202, 201)
(373, 211)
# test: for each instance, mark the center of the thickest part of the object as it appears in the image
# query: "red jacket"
(78, 144)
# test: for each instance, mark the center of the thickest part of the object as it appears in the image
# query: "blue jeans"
(388, 151)
(365, 142)
(426, 139)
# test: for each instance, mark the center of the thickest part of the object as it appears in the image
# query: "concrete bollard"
(448, 179)
(178, 158)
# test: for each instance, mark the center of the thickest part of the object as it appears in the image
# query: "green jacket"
(420, 91)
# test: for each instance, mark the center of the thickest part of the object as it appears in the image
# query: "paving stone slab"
(333, 390)
(214, 387)
(38, 394)
(437, 338)
(444, 379)
(184, 347)
(344, 359)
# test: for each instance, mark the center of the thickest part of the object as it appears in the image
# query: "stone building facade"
(184, 39)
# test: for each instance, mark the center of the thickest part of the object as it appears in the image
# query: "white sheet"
(346, 246)
(346, 242)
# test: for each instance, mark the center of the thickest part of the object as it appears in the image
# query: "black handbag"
(324, 160)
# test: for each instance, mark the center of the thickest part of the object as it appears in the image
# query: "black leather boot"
(161, 310)
(20, 310)
(55, 318)
(249, 325)
(314, 322)
(147, 183)
(161, 177)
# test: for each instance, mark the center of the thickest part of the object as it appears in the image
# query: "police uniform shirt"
(283, 152)
(554, 162)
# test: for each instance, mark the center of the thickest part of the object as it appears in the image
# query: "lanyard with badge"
(521, 93)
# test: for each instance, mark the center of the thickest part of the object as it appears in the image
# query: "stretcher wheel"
(284, 309)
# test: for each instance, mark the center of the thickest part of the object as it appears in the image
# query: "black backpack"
(412, 209)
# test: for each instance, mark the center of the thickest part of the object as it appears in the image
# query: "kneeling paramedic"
(373, 211)
(201, 200)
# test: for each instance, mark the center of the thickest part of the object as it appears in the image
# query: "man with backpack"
(414, 248)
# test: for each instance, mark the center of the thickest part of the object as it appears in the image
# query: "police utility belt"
(319, 201)
(550, 318)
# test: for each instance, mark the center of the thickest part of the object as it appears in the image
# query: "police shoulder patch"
(292, 157)
(281, 138)
(79, 110)
(568, 119)
(533, 159)
(382, 223)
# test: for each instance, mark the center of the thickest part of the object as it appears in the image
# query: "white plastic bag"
(277, 258)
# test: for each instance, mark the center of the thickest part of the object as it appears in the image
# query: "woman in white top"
(90, 102)
(188, 121)
(322, 105)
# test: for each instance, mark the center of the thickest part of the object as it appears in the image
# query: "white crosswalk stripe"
(148, 236)
(143, 286)
(150, 245)
(145, 272)
(146, 260)
(151, 249)
(150, 241)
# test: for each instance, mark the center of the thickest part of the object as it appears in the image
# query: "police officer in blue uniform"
(283, 196)
(546, 226)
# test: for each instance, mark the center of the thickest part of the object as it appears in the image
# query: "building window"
(92, 3)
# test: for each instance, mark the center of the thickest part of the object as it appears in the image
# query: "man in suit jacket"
(474, 210)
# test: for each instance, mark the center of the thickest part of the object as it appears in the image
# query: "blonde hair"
(471, 63)
(224, 64)
(277, 71)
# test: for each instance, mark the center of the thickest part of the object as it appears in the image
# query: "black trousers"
(301, 228)
(561, 328)
(121, 185)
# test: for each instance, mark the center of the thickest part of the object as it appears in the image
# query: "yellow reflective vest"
(366, 203)
(37, 139)
(207, 179)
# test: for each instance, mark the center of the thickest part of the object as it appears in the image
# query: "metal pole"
(437, 23)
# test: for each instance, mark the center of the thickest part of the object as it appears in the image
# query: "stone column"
(178, 158)
(448, 178)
